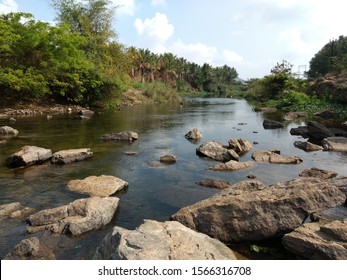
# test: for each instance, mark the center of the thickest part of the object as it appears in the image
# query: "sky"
(250, 35)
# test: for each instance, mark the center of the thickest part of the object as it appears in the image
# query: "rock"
(275, 157)
(3, 142)
(86, 113)
(268, 124)
(301, 130)
(294, 116)
(265, 109)
(73, 155)
(214, 183)
(232, 165)
(318, 173)
(318, 131)
(22, 214)
(338, 144)
(319, 241)
(307, 146)
(7, 209)
(30, 249)
(29, 155)
(130, 153)
(240, 146)
(338, 132)
(326, 114)
(251, 211)
(341, 183)
(79, 216)
(168, 159)
(216, 151)
(124, 135)
(251, 176)
(101, 186)
(161, 241)
(7, 130)
(194, 134)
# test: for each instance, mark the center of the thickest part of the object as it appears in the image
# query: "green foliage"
(332, 58)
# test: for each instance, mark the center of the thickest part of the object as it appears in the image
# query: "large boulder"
(161, 241)
(79, 216)
(193, 134)
(318, 131)
(101, 186)
(30, 249)
(7, 130)
(307, 146)
(216, 151)
(318, 173)
(232, 165)
(250, 211)
(269, 124)
(124, 135)
(301, 130)
(335, 144)
(275, 157)
(72, 155)
(28, 155)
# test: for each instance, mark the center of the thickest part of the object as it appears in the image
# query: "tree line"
(79, 59)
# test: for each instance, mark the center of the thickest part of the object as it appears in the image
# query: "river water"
(155, 191)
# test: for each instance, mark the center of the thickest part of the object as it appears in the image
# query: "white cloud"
(125, 7)
(293, 41)
(8, 6)
(232, 56)
(158, 3)
(154, 32)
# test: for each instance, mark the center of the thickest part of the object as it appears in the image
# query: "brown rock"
(73, 155)
(318, 173)
(275, 157)
(214, 183)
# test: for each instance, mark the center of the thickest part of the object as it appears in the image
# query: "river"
(155, 191)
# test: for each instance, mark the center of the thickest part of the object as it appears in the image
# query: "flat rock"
(269, 124)
(275, 157)
(7, 130)
(78, 217)
(319, 241)
(232, 165)
(215, 183)
(124, 135)
(338, 144)
(251, 211)
(28, 155)
(161, 241)
(101, 186)
(30, 249)
(72, 155)
(307, 146)
(318, 173)
(194, 134)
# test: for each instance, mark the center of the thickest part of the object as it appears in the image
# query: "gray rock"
(30, 249)
(275, 157)
(340, 182)
(232, 165)
(216, 151)
(86, 113)
(326, 114)
(335, 144)
(168, 159)
(101, 186)
(194, 134)
(28, 155)
(78, 217)
(318, 131)
(307, 146)
(301, 130)
(7, 209)
(319, 241)
(73, 155)
(7, 130)
(318, 173)
(251, 211)
(124, 135)
(240, 146)
(269, 124)
(161, 241)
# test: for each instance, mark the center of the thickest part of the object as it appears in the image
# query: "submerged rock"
(97, 185)
(215, 183)
(28, 155)
(73, 155)
(124, 135)
(232, 165)
(79, 216)
(7, 130)
(161, 241)
(268, 124)
(250, 211)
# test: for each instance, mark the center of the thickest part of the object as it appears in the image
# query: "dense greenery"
(79, 60)
(331, 58)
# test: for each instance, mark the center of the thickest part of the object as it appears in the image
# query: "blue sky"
(250, 35)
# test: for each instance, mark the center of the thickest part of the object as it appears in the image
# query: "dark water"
(155, 190)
